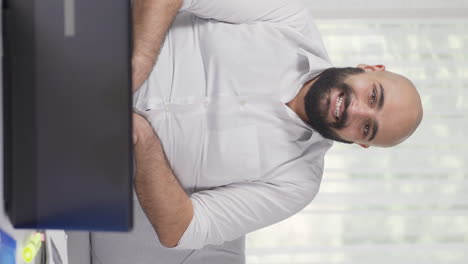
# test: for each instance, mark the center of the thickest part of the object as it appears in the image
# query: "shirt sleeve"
(228, 212)
(247, 11)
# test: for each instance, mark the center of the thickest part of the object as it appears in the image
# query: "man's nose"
(360, 111)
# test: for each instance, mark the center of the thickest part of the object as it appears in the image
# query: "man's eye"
(366, 129)
(373, 95)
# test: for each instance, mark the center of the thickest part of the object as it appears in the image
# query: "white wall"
(387, 8)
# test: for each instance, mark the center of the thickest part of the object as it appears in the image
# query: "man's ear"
(363, 145)
(378, 67)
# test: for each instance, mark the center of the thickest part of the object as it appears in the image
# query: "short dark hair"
(331, 77)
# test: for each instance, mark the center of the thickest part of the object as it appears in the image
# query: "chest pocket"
(231, 155)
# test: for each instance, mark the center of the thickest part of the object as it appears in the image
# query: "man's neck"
(297, 103)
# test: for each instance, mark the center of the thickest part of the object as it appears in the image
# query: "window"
(407, 204)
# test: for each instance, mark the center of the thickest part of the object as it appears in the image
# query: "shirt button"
(242, 102)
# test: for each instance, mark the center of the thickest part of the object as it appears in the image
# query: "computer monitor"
(67, 110)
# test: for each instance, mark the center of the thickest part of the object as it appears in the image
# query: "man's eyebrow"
(375, 129)
(381, 100)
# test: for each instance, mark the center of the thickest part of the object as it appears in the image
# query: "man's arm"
(151, 20)
(163, 200)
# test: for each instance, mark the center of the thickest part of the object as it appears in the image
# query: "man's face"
(375, 107)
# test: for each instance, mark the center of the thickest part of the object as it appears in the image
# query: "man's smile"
(336, 107)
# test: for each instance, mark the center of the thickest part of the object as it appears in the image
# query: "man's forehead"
(396, 118)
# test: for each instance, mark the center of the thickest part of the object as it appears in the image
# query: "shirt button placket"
(242, 103)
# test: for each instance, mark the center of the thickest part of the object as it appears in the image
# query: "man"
(230, 113)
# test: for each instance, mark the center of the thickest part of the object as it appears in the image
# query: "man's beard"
(317, 102)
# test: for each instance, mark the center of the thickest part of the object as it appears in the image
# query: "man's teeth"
(339, 100)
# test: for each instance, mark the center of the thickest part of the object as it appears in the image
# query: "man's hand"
(163, 200)
(142, 130)
(151, 20)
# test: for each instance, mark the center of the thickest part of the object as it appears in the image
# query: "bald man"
(234, 120)
(366, 105)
